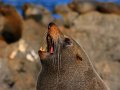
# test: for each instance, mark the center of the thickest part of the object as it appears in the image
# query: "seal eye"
(67, 42)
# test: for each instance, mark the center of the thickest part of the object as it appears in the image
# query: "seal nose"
(51, 24)
(53, 31)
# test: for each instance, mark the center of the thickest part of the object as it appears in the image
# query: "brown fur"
(12, 30)
(68, 68)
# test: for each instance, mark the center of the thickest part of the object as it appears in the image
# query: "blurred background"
(94, 24)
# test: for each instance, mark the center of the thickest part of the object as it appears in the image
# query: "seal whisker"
(55, 51)
(53, 62)
(58, 59)
(59, 53)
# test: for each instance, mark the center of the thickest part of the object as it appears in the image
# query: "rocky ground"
(97, 33)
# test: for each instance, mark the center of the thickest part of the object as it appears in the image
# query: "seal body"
(65, 66)
(12, 29)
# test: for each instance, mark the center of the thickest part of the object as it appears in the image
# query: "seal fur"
(65, 65)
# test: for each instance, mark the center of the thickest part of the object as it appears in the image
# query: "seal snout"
(53, 31)
(51, 24)
(52, 38)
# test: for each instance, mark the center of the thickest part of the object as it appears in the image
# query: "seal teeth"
(42, 49)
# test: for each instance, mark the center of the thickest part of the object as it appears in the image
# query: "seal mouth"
(54, 41)
(50, 45)
(50, 49)
(52, 37)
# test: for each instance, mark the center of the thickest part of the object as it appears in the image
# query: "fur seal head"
(65, 66)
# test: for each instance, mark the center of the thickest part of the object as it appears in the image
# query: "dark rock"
(38, 13)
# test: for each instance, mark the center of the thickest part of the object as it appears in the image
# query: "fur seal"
(65, 65)
(83, 7)
(12, 29)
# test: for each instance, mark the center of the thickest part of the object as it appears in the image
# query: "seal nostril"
(50, 25)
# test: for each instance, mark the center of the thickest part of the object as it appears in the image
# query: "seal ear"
(67, 42)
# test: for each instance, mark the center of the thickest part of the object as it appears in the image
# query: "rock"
(87, 6)
(82, 7)
(16, 71)
(38, 13)
(67, 15)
